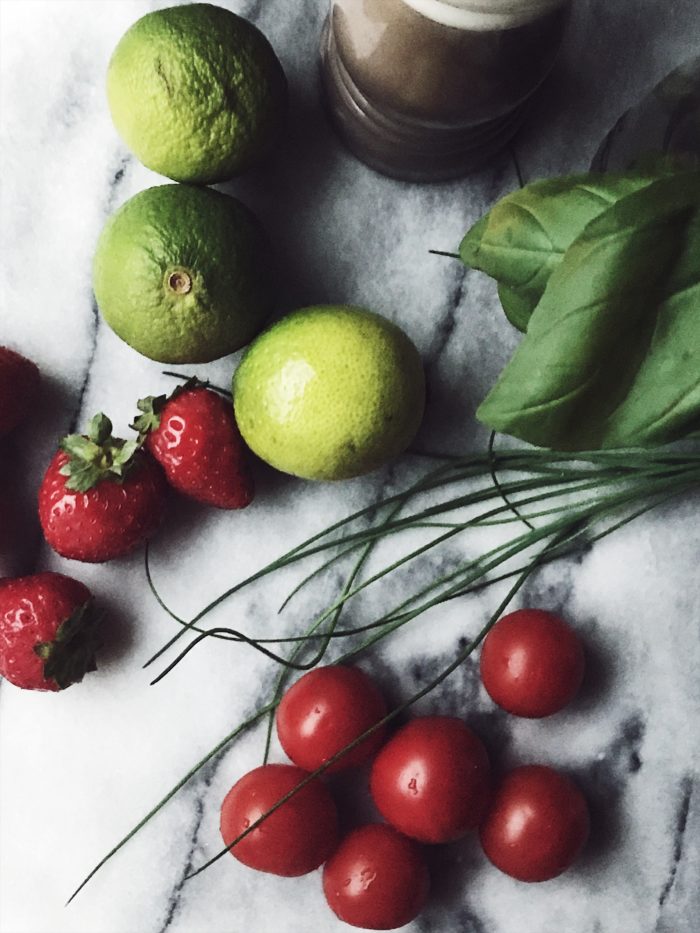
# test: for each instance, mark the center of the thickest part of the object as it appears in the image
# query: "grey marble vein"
(204, 783)
(686, 789)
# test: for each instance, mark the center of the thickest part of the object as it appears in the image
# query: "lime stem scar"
(180, 281)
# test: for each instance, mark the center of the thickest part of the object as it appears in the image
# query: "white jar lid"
(483, 14)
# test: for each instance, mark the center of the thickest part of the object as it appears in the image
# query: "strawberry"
(194, 436)
(19, 385)
(101, 496)
(48, 631)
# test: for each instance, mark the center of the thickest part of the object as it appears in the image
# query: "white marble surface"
(78, 769)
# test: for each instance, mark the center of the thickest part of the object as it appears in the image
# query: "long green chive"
(459, 660)
(242, 727)
(497, 483)
(649, 477)
(389, 527)
(313, 546)
(335, 618)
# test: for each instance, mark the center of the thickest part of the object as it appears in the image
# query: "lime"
(182, 274)
(329, 392)
(196, 92)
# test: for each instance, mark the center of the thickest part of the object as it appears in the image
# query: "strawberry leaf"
(97, 457)
(151, 407)
(80, 447)
(123, 456)
(100, 430)
(81, 476)
(71, 654)
(149, 419)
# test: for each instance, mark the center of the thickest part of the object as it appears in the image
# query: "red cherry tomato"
(431, 780)
(326, 710)
(537, 825)
(376, 879)
(532, 663)
(296, 838)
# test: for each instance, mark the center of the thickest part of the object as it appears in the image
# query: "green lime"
(329, 392)
(196, 92)
(183, 274)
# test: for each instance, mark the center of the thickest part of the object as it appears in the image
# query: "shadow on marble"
(19, 528)
(118, 629)
(599, 678)
(282, 191)
(182, 524)
(449, 424)
(604, 784)
(48, 419)
(607, 832)
(270, 484)
(452, 867)
(494, 728)
(22, 471)
(592, 64)
(351, 794)
(565, 83)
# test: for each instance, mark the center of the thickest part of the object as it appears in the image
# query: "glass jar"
(431, 89)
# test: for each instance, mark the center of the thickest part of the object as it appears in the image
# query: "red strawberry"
(194, 436)
(48, 631)
(101, 496)
(19, 384)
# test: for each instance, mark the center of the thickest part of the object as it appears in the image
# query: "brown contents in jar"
(411, 67)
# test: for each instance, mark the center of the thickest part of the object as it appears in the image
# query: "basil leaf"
(518, 308)
(523, 238)
(612, 352)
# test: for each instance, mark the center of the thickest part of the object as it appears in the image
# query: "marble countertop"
(80, 768)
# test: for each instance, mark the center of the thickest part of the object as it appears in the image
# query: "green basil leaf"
(518, 307)
(524, 236)
(611, 356)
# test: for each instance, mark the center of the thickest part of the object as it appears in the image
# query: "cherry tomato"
(431, 780)
(376, 879)
(293, 840)
(326, 710)
(532, 663)
(537, 825)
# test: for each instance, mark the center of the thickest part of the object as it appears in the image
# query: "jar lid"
(483, 14)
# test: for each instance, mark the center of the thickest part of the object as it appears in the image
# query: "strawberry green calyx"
(149, 419)
(96, 456)
(152, 407)
(71, 653)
